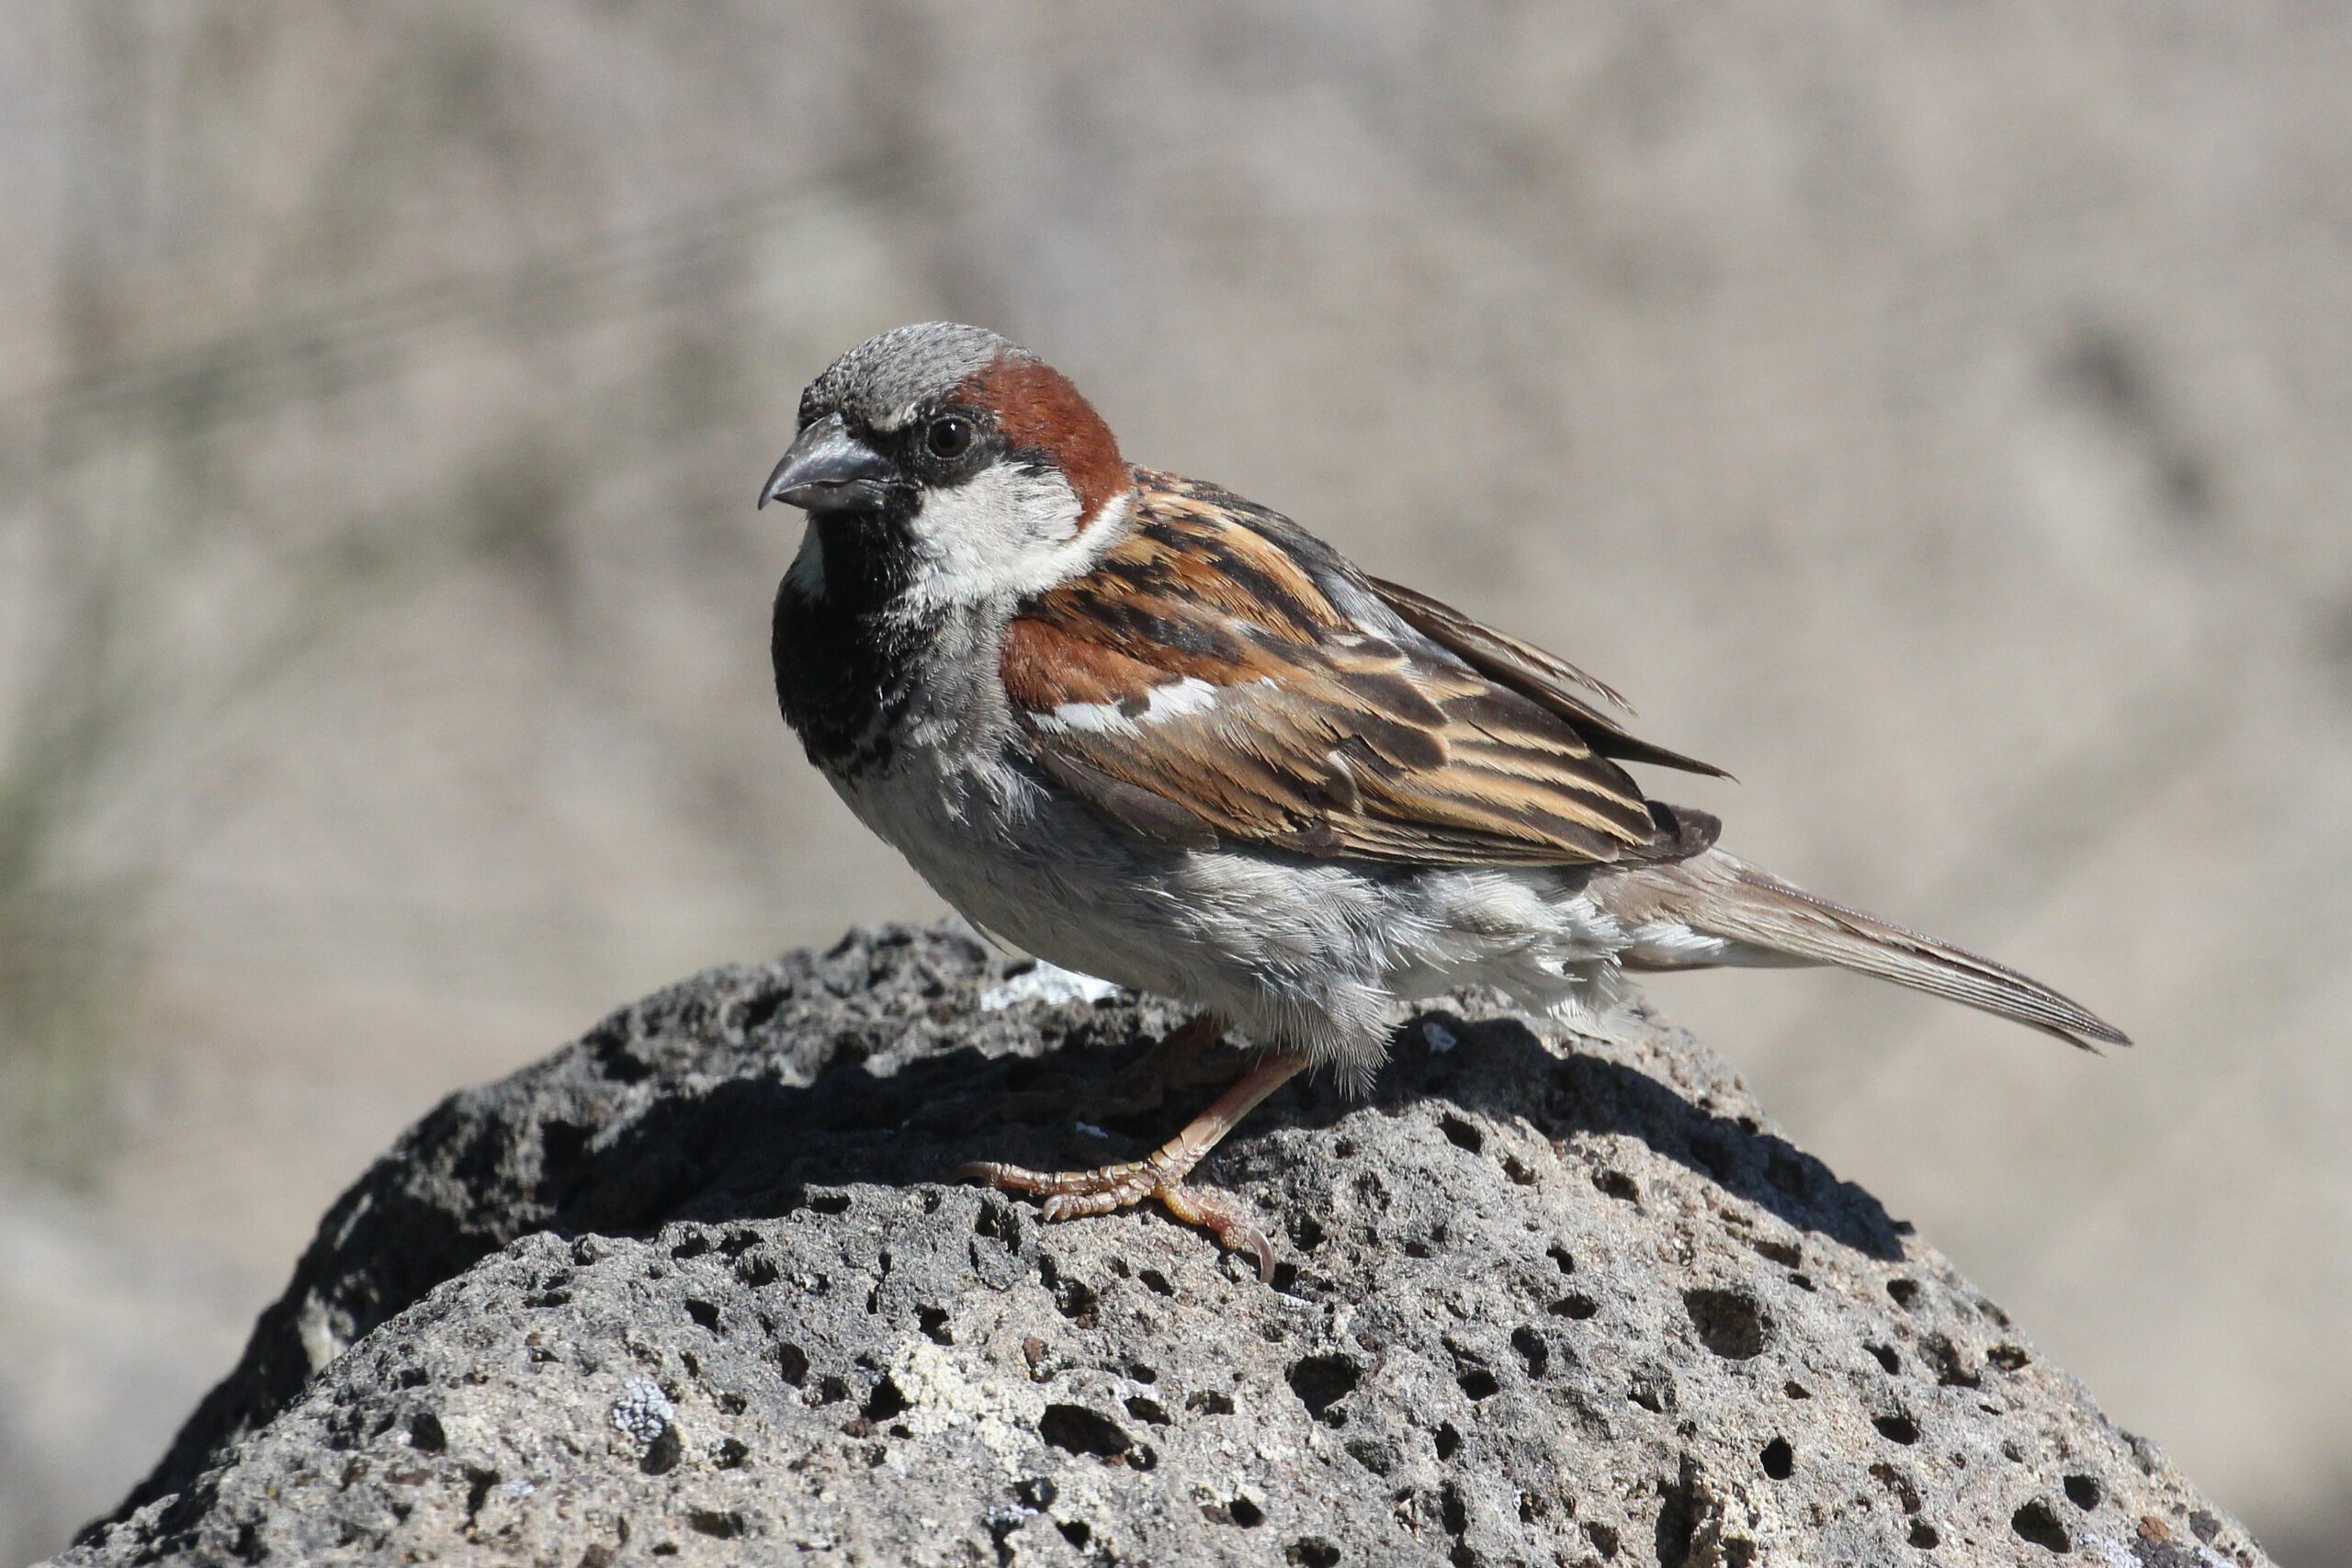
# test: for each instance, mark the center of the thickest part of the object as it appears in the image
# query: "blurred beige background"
(1941, 416)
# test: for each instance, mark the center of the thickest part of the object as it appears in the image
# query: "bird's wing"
(1543, 678)
(1222, 675)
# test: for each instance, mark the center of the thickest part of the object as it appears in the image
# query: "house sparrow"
(1150, 731)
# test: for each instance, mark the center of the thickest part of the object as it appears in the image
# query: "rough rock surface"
(692, 1290)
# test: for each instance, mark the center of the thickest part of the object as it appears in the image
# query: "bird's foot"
(1073, 1194)
(1160, 1174)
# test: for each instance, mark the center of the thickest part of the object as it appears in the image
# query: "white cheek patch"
(1178, 699)
(1006, 532)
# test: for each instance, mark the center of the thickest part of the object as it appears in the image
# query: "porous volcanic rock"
(693, 1290)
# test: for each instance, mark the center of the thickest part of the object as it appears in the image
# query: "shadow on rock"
(758, 1148)
(1581, 1091)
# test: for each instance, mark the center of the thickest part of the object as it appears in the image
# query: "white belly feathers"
(1317, 956)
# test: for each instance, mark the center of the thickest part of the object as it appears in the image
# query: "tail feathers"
(1721, 896)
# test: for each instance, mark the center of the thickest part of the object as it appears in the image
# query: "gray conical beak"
(829, 470)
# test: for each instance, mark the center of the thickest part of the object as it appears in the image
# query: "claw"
(1222, 1219)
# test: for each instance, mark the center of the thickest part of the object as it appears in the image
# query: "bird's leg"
(1185, 1058)
(1161, 1173)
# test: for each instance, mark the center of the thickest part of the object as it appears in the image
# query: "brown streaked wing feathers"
(1541, 677)
(1318, 736)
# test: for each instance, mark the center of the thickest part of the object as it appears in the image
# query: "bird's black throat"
(846, 649)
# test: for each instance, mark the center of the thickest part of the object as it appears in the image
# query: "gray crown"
(884, 378)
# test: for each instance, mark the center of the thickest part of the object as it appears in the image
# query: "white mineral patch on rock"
(1048, 985)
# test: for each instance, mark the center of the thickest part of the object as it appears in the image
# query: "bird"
(1150, 731)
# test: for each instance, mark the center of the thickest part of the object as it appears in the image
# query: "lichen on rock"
(694, 1289)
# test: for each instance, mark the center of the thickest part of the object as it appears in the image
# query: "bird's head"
(941, 464)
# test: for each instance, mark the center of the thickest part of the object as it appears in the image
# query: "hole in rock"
(1616, 1184)
(717, 1523)
(1730, 1322)
(1780, 1462)
(1075, 1430)
(424, 1433)
(887, 1400)
(661, 1455)
(758, 1009)
(1075, 1298)
(2038, 1522)
(1321, 1381)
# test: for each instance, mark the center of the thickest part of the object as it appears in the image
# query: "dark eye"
(948, 436)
